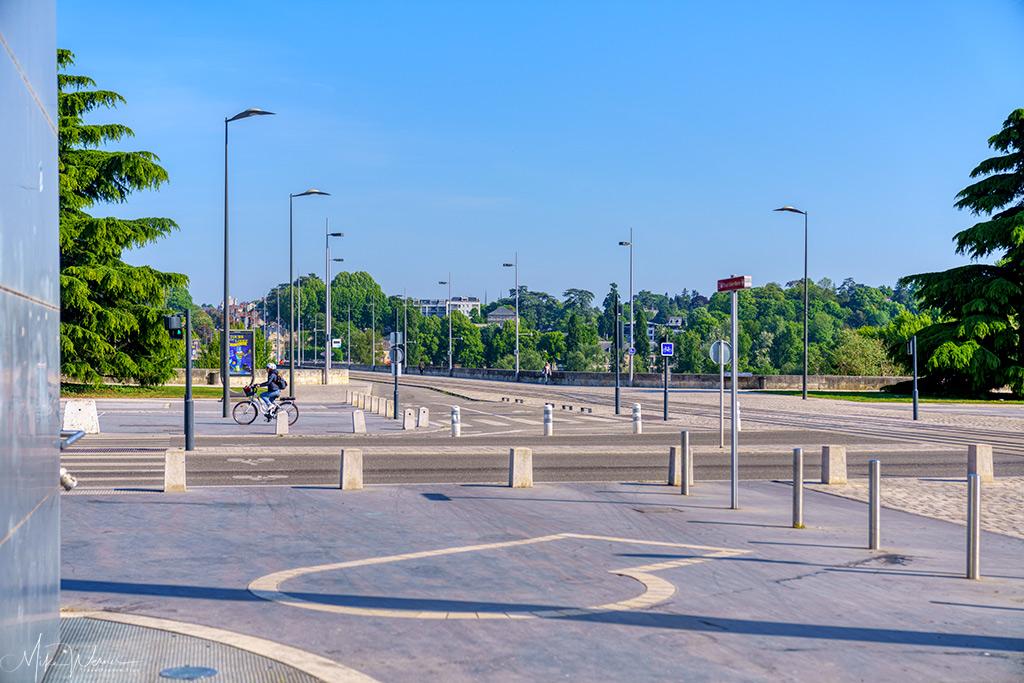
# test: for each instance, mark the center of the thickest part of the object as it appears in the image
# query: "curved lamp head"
(508, 265)
(625, 244)
(791, 210)
(250, 112)
(335, 234)
(310, 191)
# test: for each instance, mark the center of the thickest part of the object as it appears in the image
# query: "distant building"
(438, 308)
(676, 321)
(500, 315)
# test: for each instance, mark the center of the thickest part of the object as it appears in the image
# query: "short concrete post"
(359, 400)
(798, 488)
(358, 422)
(282, 423)
(456, 421)
(874, 503)
(684, 437)
(423, 417)
(375, 405)
(549, 419)
(354, 399)
(973, 526)
(979, 461)
(389, 408)
(351, 469)
(80, 415)
(638, 425)
(174, 470)
(520, 468)
(833, 464)
(409, 421)
(348, 396)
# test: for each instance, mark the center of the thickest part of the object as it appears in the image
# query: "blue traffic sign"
(631, 350)
(667, 348)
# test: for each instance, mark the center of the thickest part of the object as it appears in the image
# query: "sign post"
(666, 353)
(397, 358)
(734, 285)
(912, 351)
(721, 353)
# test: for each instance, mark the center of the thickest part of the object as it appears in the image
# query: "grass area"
(882, 396)
(127, 391)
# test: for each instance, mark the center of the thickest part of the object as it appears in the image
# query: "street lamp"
(792, 210)
(448, 311)
(516, 266)
(291, 284)
(632, 325)
(224, 335)
(329, 344)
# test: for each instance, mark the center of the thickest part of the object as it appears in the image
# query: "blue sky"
(452, 134)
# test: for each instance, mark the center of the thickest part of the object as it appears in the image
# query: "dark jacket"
(273, 382)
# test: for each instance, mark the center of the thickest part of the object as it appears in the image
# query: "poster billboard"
(241, 348)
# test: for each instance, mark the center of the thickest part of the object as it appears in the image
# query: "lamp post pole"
(632, 323)
(792, 210)
(328, 342)
(448, 311)
(516, 266)
(225, 380)
(291, 284)
(349, 335)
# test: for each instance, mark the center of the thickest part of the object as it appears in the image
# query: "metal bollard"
(875, 503)
(798, 488)
(973, 526)
(687, 463)
(549, 419)
(456, 421)
(638, 425)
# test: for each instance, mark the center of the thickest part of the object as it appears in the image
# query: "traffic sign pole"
(666, 353)
(734, 285)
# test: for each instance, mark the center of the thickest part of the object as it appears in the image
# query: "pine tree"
(977, 343)
(111, 312)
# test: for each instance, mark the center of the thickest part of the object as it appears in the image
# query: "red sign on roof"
(732, 284)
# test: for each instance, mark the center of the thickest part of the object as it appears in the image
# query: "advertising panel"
(241, 352)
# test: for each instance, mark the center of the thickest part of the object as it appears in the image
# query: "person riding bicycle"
(273, 385)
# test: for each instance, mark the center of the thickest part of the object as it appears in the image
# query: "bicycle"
(246, 412)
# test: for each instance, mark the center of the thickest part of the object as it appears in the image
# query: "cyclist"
(273, 385)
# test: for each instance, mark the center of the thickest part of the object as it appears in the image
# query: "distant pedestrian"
(546, 374)
(421, 367)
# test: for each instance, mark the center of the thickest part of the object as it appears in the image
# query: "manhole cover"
(188, 673)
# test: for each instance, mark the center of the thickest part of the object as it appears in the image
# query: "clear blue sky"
(452, 134)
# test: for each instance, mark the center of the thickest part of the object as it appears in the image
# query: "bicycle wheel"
(291, 409)
(245, 413)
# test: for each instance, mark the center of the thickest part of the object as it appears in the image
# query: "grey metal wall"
(29, 336)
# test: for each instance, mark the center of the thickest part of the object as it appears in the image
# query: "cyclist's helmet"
(271, 366)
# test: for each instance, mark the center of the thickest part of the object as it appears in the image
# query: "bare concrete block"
(174, 470)
(409, 419)
(348, 396)
(375, 405)
(351, 469)
(358, 422)
(80, 415)
(520, 468)
(282, 423)
(675, 465)
(833, 464)
(389, 407)
(361, 404)
(423, 417)
(979, 461)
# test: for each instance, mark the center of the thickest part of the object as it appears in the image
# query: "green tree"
(111, 312)
(978, 344)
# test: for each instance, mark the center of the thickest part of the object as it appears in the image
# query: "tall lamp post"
(328, 342)
(632, 323)
(225, 379)
(291, 284)
(792, 210)
(448, 311)
(516, 266)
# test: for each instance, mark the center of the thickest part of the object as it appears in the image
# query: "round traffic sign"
(721, 352)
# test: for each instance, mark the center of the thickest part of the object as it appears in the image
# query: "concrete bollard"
(359, 401)
(979, 461)
(388, 407)
(348, 396)
(638, 424)
(174, 470)
(80, 415)
(354, 401)
(798, 488)
(520, 468)
(358, 422)
(409, 421)
(874, 503)
(549, 419)
(351, 469)
(675, 466)
(833, 464)
(282, 423)
(684, 440)
(973, 526)
(423, 417)
(375, 405)
(456, 421)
